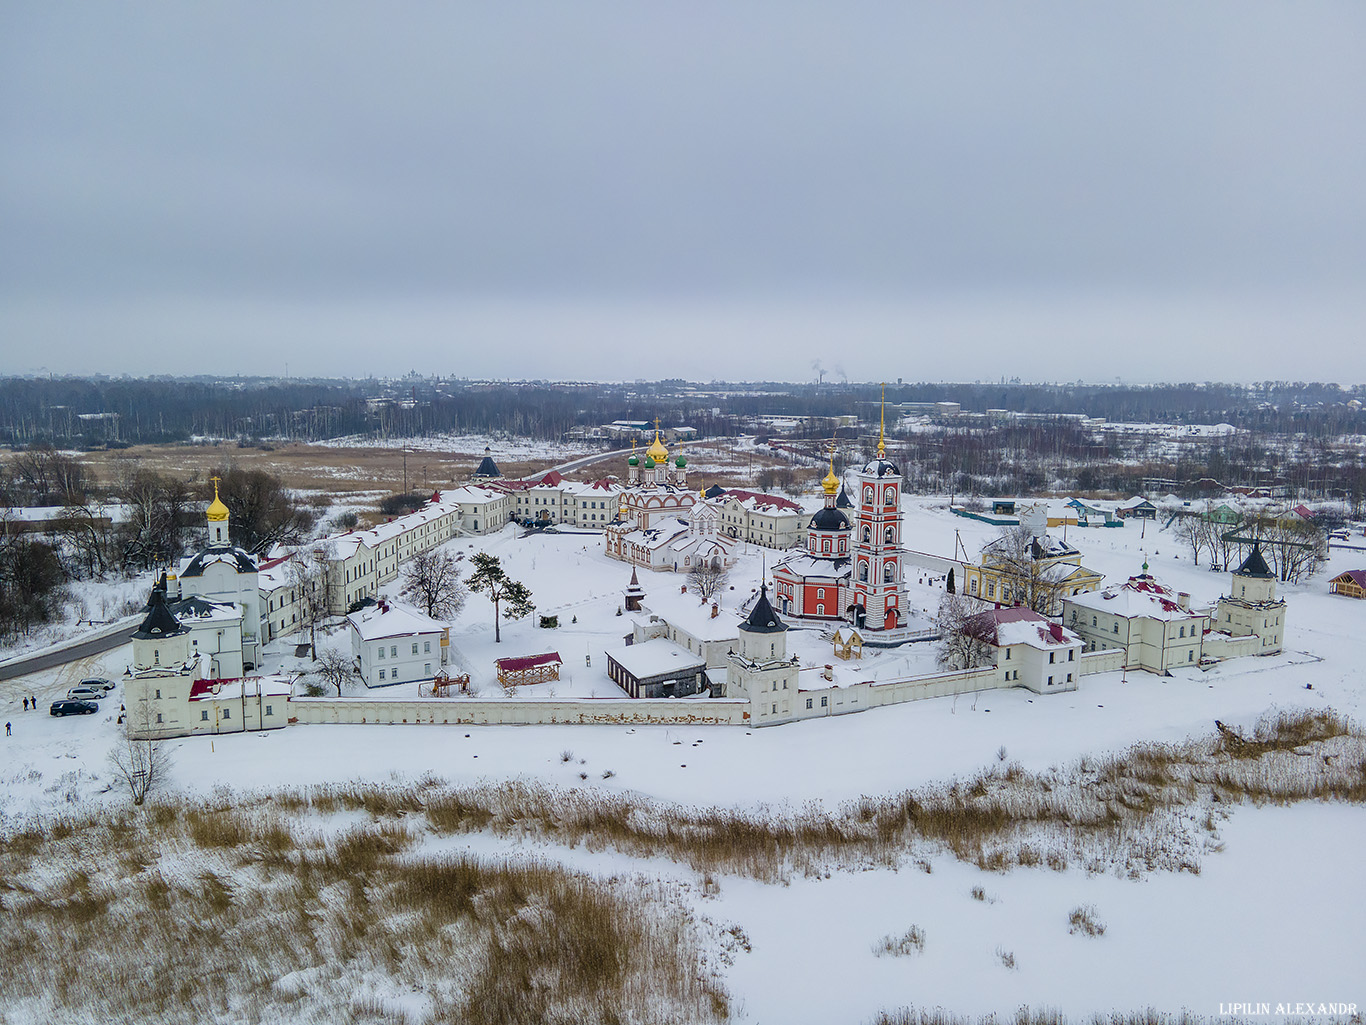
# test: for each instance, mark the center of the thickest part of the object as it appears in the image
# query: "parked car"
(84, 694)
(73, 708)
(97, 683)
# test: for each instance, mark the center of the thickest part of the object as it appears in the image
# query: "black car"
(73, 708)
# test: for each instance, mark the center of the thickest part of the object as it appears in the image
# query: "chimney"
(715, 610)
(829, 673)
(1056, 630)
(1183, 600)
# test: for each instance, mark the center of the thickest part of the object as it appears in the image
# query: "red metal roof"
(529, 661)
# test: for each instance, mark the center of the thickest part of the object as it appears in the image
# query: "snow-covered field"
(1273, 915)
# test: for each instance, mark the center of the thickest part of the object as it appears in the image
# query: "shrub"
(1084, 919)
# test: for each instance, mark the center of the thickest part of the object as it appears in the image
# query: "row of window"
(426, 671)
(226, 713)
(393, 649)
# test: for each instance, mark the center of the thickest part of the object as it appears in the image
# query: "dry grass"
(1052, 1016)
(1125, 811)
(345, 471)
(910, 942)
(216, 911)
(1084, 919)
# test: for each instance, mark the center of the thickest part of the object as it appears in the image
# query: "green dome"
(649, 463)
(680, 462)
(633, 461)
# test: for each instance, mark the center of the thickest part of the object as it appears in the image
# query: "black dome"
(160, 621)
(235, 555)
(829, 519)
(882, 468)
(762, 619)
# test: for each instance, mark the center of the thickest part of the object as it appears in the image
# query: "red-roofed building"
(1029, 650)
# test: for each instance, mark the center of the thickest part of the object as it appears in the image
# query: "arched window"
(868, 495)
(889, 573)
(890, 537)
(889, 497)
(867, 534)
(863, 571)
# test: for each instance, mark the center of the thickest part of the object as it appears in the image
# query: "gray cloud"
(291, 175)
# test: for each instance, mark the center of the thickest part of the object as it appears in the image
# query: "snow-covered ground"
(1273, 916)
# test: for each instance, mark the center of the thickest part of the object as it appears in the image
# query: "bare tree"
(139, 761)
(335, 668)
(958, 648)
(1296, 548)
(708, 577)
(310, 571)
(431, 580)
(1028, 576)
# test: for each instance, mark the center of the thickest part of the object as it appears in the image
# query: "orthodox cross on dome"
(217, 511)
(831, 484)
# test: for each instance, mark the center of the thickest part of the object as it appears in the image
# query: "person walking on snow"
(25, 704)
(7, 729)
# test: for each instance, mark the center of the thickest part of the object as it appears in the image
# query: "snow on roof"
(392, 619)
(240, 687)
(757, 501)
(1134, 503)
(658, 657)
(1004, 627)
(1139, 597)
(803, 565)
(1356, 576)
(275, 573)
(517, 663)
(197, 609)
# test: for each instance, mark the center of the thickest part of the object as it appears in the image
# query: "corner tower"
(761, 670)
(1251, 606)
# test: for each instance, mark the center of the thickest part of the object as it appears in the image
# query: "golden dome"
(830, 484)
(218, 512)
(657, 451)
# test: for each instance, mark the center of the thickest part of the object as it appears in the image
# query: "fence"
(520, 711)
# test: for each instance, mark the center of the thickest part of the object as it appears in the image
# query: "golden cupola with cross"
(218, 516)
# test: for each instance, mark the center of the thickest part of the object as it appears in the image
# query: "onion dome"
(218, 512)
(657, 451)
(680, 462)
(830, 483)
(634, 460)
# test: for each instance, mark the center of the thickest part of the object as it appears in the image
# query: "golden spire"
(830, 483)
(218, 512)
(657, 451)
(882, 426)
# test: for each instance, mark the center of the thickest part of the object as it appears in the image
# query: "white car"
(84, 694)
(98, 683)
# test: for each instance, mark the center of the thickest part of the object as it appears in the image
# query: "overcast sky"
(947, 191)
